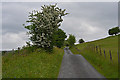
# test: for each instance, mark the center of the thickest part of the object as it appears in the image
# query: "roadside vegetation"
(107, 67)
(36, 64)
(70, 41)
(42, 56)
(0, 66)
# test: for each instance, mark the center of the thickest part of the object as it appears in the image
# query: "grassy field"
(0, 66)
(103, 65)
(37, 64)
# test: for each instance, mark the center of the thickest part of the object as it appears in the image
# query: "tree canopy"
(113, 31)
(43, 24)
(71, 40)
(59, 38)
(81, 41)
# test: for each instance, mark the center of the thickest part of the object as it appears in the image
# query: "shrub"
(71, 40)
(81, 41)
(59, 38)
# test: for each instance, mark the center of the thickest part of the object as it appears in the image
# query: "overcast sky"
(87, 20)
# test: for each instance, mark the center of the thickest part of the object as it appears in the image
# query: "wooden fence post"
(18, 50)
(104, 54)
(12, 51)
(94, 48)
(110, 55)
(100, 51)
(97, 49)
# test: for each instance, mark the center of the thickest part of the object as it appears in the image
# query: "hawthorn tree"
(42, 25)
(59, 38)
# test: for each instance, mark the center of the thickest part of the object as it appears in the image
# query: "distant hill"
(108, 43)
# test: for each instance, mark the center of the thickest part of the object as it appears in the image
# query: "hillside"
(0, 66)
(102, 62)
(36, 64)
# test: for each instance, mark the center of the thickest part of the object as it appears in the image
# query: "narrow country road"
(75, 66)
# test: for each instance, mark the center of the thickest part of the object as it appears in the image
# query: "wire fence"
(98, 50)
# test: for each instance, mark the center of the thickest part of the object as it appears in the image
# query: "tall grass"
(36, 64)
(0, 66)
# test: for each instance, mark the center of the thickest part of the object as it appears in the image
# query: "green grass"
(37, 64)
(0, 66)
(103, 65)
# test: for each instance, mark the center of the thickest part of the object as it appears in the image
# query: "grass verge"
(0, 66)
(38, 64)
(107, 68)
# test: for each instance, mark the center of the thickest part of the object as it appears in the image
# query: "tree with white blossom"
(43, 24)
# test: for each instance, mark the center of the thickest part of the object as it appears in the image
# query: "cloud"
(60, 0)
(16, 14)
(12, 40)
(84, 30)
(90, 20)
(87, 20)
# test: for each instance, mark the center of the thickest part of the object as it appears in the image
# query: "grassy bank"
(37, 64)
(103, 65)
(0, 66)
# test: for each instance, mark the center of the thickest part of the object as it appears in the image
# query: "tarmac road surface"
(76, 66)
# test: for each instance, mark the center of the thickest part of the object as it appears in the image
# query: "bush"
(81, 41)
(59, 38)
(71, 40)
(66, 43)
